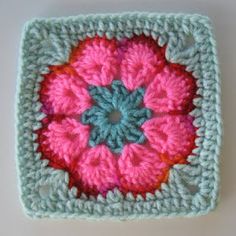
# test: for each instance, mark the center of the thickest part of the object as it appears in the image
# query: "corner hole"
(190, 41)
(44, 190)
(193, 188)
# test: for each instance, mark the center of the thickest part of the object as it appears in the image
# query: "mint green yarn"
(127, 128)
(49, 42)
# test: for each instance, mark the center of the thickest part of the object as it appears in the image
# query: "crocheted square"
(118, 116)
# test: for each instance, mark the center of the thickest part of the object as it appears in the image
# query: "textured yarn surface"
(118, 116)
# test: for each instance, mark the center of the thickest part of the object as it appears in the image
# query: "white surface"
(12, 221)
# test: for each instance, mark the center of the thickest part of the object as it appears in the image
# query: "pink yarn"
(66, 94)
(169, 91)
(141, 169)
(97, 169)
(67, 138)
(96, 61)
(121, 48)
(140, 63)
(173, 135)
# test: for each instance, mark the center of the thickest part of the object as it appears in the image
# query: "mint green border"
(48, 42)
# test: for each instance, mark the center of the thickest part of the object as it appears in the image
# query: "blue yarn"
(119, 100)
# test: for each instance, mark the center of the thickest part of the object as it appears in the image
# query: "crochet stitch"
(117, 117)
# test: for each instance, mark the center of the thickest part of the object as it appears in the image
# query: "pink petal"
(141, 169)
(96, 61)
(66, 138)
(98, 170)
(171, 90)
(65, 93)
(141, 61)
(173, 135)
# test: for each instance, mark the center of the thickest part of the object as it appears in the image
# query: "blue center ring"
(116, 116)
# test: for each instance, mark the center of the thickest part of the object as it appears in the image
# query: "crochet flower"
(117, 116)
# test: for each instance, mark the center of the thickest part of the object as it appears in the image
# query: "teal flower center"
(116, 116)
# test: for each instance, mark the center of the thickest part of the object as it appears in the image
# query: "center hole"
(114, 116)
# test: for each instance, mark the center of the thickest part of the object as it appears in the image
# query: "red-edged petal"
(63, 92)
(97, 169)
(172, 90)
(66, 139)
(96, 60)
(141, 169)
(171, 135)
(142, 59)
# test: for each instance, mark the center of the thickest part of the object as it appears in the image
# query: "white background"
(13, 13)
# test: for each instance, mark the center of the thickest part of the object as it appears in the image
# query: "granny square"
(118, 116)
